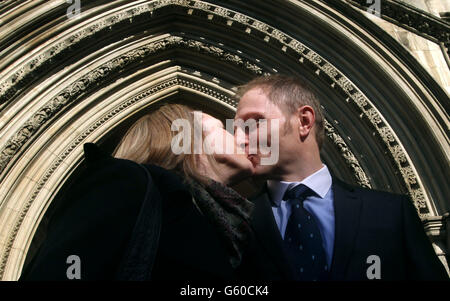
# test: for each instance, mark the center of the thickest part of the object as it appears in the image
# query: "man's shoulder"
(367, 193)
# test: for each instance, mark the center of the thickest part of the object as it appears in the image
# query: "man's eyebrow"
(253, 115)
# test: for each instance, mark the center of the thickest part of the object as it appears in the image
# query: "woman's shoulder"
(163, 173)
(167, 181)
(102, 165)
(97, 159)
(104, 172)
(103, 189)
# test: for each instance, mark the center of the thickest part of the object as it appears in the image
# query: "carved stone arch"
(75, 80)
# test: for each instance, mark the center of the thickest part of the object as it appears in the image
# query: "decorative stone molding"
(411, 18)
(436, 228)
(349, 157)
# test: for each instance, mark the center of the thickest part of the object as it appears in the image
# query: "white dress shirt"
(320, 205)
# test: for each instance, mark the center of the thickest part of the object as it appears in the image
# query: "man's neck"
(301, 174)
(305, 165)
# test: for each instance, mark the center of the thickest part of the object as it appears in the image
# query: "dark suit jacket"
(367, 222)
(99, 214)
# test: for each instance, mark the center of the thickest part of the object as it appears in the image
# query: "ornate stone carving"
(359, 99)
(222, 11)
(241, 18)
(373, 115)
(419, 201)
(399, 154)
(260, 26)
(314, 57)
(279, 35)
(253, 67)
(161, 3)
(387, 135)
(409, 17)
(233, 58)
(297, 46)
(409, 174)
(329, 70)
(349, 157)
(202, 5)
(345, 84)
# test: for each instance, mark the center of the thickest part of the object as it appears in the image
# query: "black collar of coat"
(170, 183)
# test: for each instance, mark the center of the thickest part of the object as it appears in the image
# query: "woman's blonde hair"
(149, 140)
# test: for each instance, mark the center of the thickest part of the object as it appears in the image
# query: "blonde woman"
(149, 141)
(148, 213)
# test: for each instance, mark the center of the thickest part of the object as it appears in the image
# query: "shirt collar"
(319, 182)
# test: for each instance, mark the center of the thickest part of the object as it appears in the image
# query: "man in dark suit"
(313, 226)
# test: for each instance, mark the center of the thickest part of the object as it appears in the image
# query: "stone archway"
(65, 82)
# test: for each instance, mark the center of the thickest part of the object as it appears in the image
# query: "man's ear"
(306, 117)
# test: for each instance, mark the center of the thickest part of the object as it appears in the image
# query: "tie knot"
(298, 192)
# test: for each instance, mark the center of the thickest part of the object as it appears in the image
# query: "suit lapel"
(347, 210)
(266, 231)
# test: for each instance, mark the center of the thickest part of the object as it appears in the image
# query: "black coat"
(367, 222)
(98, 223)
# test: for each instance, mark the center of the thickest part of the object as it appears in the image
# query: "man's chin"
(261, 172)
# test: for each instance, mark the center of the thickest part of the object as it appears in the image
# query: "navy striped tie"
(302, 239)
